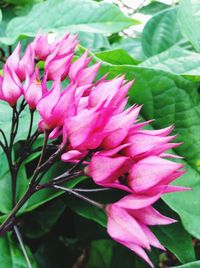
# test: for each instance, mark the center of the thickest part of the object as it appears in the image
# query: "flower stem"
(7, 224)
(31, 124)
(46, 136)
(19, 237)
(88, 200)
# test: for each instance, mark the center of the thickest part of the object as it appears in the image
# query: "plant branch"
(19, 237)
(80, 196)
(59, 180)
(7, 224)
(4, 137)
(31, 124)
(46, 136)
(90, 190)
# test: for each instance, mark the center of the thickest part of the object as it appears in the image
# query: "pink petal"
(138, 250)
(87, 75)
(150, 216)
(153, 241)
(150, 171)
(121, 226)
(135, 201)
(73, 154)
(47, 103)
(105, 169)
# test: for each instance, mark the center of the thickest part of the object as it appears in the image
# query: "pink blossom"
(57, 64)
(10, 86)
(33, 89)
(129, 220)
(23, 66)
(56, 106)
(41, 47)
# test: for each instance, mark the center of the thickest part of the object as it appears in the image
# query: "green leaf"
(46, 195)
(100, 254)
(133, 46)
(67, 15)
(6, 119)
(117, 57)
(11, 254)
(187, 204)
(22, 2)
(195, 264)
(190, 9)
(153, 7)
(53, 253)
(0, 16)
(87, 211)
(177, 240)
(40, 221)
(94, 41)
(176, 60)
(158, 35)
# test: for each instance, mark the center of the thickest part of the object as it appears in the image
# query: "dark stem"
(13, 128)
(19, 237)
(4, 137)
(90, 190)
(10, 49)
(31, 124)
(3, 55)
(59, 180)
(77, 165)
(46, 165)
(7, 224)
(82, 197)
(33, 187)
(12, 167)
(27, 148)
(46, 136)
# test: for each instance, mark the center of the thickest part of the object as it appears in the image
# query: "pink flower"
(56, 106)
(153, 173)
(10, 86)
(33, 89)
(23, 66)
(109, 171)
(129, 220)
(57, 64)
(41, 47)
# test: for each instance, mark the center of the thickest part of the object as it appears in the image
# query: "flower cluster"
(91, 117)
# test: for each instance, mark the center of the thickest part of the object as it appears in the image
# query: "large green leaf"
(94, 41)
(39, 222)
(161, 32)
(133, 46)
(68, 15)
(195, 264)
(100, 254)
(177, 240)
(117, 57)
(153, 7)
(187, 204)
(87, 211)
(11, 254)
(190, 9)
(176, 60)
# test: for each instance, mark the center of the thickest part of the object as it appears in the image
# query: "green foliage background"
(164, 60)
